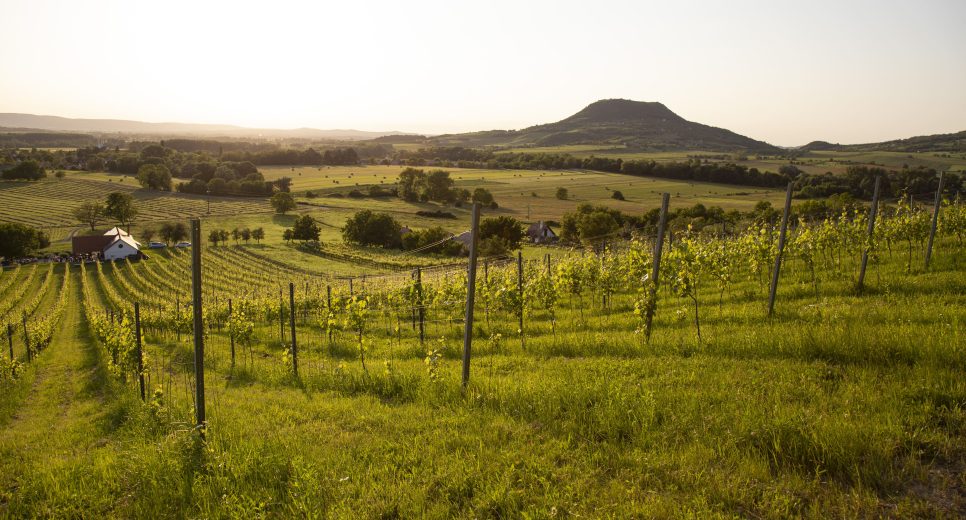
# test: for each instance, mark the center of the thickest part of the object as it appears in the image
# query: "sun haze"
(846, 72)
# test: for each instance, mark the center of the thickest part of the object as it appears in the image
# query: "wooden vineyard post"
(231, 337)
(137, 339)
(419, 302)
(470, 295)
(351, 293)
(872, 213)
(291, 315)
(656, 270)
(178, 317)
(328, 308)
(486, 272)
(520, 287)
(935, 216)
(281, 317)
(26, 339)
(198, 325)
(781, 248)
(10, 340)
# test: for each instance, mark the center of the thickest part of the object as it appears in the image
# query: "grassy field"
(841, 405)
(49, 203)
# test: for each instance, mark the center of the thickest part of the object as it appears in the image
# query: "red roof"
(91, 244)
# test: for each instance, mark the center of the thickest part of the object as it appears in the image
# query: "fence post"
(781, 248)
(520, 287)
(872, 214)
(198, 325)
(935, 216)
(10, 339)
(231, 336)
(419, 303)
(137, 336)
(350, 288)
(656, 270)
(26, 339)
(470, 295)
(291, 314)
(178, 317)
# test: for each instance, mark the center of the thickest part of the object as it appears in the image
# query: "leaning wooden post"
(470, 295)
(935, 216)
(656, 270)
(231, 337)
(26, 339)
(872, 213)
(198, 325)
(10, 339)
(137, 339)
(291, 314)
(520, 287)
(419, 302)
(781, 249)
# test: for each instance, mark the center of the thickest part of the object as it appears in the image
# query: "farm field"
(49, 203)
(842, 404)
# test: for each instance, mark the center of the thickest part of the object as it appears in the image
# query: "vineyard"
(342, 396)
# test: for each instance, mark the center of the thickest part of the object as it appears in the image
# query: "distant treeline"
(53, 140)
(194, 145)
(859, 181)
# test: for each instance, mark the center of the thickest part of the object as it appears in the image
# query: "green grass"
(841, 406)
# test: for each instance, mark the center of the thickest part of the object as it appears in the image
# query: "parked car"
(155, 245)
(183, 244)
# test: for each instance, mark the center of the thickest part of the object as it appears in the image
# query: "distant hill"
(64, 124)
(637, 124)
(926, 143)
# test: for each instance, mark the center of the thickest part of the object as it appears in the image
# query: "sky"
(782, 72)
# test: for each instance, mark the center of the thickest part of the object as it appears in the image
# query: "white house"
(541, 233)
(112, 245)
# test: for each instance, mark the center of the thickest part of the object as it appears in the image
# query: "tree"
(173, 233)
(483, 196)
(596, 226)
(222, 235)
(562, 194)
(27, 170)
(246, 235)
(305, 228)
(439, 185)
(214, 236)
(617, 195)
(95, 164)
(507, 228)
(60, 174)
(18, 240)
(283, 202)
(287, 235)
(147, 234)
(372, 229)
(258, 234)
(411, 182)
(154, 177)
(120, 207)
(235, 235)
(89, 213)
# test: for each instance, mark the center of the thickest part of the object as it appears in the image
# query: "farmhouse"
(540, 233)
(112, 245)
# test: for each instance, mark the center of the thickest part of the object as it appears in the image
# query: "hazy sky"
(783, 72)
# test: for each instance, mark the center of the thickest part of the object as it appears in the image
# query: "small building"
(540, 233)
(405, 230)
(112, 245)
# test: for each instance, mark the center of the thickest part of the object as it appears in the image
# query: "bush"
(562, 194)
(435, 214)
(506, 228)
(335, 195)
(356, 194)
(617, 195)
(424, 198)
(310, 194)
(494, 205)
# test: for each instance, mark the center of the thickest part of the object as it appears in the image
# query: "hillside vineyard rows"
(398, 336)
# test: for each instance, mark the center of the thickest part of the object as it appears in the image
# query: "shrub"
(617, 195)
